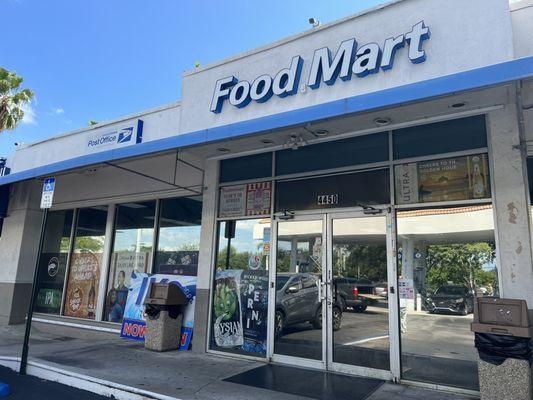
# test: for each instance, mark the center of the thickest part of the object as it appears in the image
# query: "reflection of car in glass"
(357, 293)
(297, 302)
(451, 298)
(382, 289)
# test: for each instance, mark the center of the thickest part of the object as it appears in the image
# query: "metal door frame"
(327, 340)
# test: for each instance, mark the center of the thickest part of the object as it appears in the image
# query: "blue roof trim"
(467, 80)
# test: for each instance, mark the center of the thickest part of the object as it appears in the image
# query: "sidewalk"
(105, 358)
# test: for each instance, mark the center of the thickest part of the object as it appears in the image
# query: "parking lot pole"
(24, 357)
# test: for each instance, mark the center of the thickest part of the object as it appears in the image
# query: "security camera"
(314, 22)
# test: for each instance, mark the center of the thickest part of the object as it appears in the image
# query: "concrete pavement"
(182, 375)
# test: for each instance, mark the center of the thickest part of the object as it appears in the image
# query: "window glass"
(240, 290)
(447, 179)
(447, 258)
(132, 252)
(179, 236)
(440, 137)
(335, 154)
(247, 167)
(86, 263)
(53, 261)
(345, 190)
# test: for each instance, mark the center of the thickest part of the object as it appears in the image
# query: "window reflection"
(446, 259)
(179, 236)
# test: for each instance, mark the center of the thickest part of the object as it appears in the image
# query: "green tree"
(461, 264)
(12, 99)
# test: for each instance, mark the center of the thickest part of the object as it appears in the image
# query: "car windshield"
(281, 280)
(451, 290)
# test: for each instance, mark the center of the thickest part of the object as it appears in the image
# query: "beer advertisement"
(82, 285)
(52, 268)
(448, 179)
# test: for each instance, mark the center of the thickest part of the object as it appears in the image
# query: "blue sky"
(101, 59)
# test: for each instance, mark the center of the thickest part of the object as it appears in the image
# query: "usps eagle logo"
(125, 135)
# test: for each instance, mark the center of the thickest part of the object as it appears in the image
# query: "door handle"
(320, 287)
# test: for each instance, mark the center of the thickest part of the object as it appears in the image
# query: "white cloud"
(29, 117)
(59, 111)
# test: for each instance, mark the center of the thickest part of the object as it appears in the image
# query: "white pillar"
(511, 210)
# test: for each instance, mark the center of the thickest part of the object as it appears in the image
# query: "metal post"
(24, 358)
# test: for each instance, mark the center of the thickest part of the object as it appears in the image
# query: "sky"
(100, 59)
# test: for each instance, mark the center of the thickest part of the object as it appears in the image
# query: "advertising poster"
(82, 285)
(178, 262)
(134, 322)
(52, 268)
(251, 199)
(449, 179)
(254, 305)
(124, 265)
(258, 197)
(240, 310)
(227, 318)
(232, 201)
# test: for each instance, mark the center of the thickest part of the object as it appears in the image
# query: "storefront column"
(205, 258)
(511, 209)
(19, 245)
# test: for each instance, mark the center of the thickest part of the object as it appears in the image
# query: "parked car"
(297, 301)
(382, 289)
(357, 293)
(451, 298)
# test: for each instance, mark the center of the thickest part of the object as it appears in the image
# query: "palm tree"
(12, 99)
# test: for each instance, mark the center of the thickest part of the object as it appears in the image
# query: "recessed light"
(459, 104)
(321, 132)
(223, 150)
(382, 121)
(267, 141)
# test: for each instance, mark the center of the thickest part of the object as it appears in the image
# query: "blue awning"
(491, 75)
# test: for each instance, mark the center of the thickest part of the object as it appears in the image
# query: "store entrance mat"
(304, 382)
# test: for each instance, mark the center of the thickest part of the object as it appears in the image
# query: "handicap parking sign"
(48, 192)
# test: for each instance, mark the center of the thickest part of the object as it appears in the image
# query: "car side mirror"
(292, 289)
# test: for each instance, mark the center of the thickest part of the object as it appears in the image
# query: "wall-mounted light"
(294, 142)
(459, 104)
(223, 150)
(321, 132)
(267, 141)
(382, 121)
(314, 22)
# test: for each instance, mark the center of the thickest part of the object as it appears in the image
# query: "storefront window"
(86, 263)
(446, 259)
(132, 252)
(240, 293)
(179, 236)
(53, 261)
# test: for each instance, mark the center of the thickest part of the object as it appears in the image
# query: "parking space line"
(366, 340)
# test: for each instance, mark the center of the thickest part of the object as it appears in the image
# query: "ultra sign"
(349, 60)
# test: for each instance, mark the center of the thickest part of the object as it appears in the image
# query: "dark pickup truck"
(357, 293)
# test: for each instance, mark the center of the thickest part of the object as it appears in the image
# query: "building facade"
(334, 200)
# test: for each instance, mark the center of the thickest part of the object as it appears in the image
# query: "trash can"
(503, 340)
(164, 315)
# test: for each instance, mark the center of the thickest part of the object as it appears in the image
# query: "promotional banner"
(82, 286)
(134, 322)
(52, 268)
(240, 310)
(448, 179)
(181, 262)
(124, 265)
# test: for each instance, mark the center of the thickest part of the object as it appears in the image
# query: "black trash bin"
(164, 310)
(503, 340)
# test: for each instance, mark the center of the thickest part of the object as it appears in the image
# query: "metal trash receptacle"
(164, 308)
(503, 339)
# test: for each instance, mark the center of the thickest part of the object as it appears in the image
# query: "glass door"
(359, 320)
(300, 292)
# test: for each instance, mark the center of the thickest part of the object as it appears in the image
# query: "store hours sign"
(245, 200)
(350, 59)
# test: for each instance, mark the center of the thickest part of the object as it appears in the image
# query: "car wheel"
(279, 323)
(317, 322)
(464, 310)
(342, 303)
(337, 318)
(359, 309)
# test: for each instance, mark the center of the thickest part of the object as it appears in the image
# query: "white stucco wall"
(522, 21)
(464, 35)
